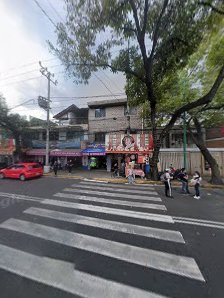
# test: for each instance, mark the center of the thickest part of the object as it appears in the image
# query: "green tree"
(13, 123)
(162, 35)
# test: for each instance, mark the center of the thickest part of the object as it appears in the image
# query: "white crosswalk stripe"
(150, 232)
(107, 210)
(61, 275)
(112, 194)
(132, 186)
(109, 201)
(184, 266)
(64, 275)
(117, 189)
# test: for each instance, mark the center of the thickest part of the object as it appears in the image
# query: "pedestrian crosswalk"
(101, 211)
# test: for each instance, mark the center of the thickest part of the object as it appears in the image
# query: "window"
(101, 112)
(132, 111)
(100, 137)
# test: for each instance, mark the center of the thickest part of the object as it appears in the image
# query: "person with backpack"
(165, 178)
(183, 178)
(196, 181)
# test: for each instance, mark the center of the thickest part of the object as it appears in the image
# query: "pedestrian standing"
(167, 183)
(147, 166)
(115, 173)
(70, 166)
(55, 168)
(183, 178)
(130, 175)
(197, 182)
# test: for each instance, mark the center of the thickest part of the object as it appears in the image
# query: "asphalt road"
(68, 238)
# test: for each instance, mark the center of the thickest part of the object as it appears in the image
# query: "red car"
(22, 171)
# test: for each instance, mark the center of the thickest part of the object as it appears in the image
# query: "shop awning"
(93, 152)
(34, 152)
(64, 152)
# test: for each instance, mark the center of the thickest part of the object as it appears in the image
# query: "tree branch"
(215, 9)
(207, 98)
(146, 8)
(140, 33)
(156, 34)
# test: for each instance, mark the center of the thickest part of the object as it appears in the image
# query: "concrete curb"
(123, 181)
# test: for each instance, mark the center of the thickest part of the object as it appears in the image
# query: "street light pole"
(185, 141)
(48, 75)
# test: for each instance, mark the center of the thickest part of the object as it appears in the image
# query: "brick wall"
(107, 123)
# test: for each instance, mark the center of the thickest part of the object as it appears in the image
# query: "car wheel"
(2, 176)
(22, 177)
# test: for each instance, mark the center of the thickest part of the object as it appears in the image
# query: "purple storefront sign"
(37, 152)
(65, 153)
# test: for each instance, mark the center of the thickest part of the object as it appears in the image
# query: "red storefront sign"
(134, 143)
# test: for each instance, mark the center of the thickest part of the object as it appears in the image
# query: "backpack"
(162, 177)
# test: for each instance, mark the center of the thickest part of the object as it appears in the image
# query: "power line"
(44, 12)
(105, 74)
(91, 96)
(26, 65)
(21, 104)
(49, 2)
(27, 72)
(20, 81)
(105, 85)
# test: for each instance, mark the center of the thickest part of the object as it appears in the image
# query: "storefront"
(61, 155)
(131, 149)
(94, 157)
(36, 155)
(64, 155)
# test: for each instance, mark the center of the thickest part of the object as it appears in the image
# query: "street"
(75, 238)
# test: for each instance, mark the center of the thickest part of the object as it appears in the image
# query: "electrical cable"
(49, 2)
(44, 12)
(26, 65)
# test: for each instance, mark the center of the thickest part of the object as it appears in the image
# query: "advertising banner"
(133, 143)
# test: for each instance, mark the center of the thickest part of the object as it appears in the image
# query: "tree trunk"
(199, 142)
(216, 176)
(154, 162)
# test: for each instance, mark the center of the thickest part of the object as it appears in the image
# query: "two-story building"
(111, 125)
(67, 137)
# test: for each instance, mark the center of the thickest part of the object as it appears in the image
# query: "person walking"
(167, 183)
(130, 175)
(183, 178)
(55, 168)
(197, 182)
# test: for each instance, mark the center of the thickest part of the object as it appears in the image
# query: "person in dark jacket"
(183, 177)
(55, 168)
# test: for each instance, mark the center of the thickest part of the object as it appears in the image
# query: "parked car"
(22, 171)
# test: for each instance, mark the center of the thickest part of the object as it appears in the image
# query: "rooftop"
(107, 103)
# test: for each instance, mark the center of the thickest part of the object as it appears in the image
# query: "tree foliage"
(150, 41)
(14, 123)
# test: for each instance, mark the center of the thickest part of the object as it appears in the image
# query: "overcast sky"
(24, 29)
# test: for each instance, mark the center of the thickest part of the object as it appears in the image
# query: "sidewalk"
(104, 176)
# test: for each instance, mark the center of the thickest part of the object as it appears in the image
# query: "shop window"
(99, 113)
(100, 137)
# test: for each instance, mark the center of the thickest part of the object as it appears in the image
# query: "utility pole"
(128, 109)
(46, 105)
(185, 140)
